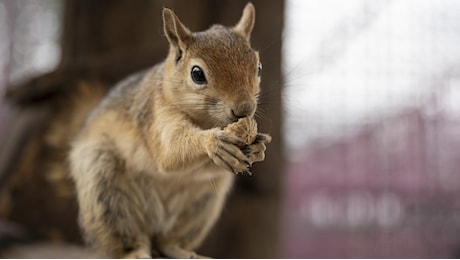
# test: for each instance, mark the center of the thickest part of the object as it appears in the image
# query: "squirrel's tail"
(41, 172)
(73, 109)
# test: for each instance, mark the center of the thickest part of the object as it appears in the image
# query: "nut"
(245, 128)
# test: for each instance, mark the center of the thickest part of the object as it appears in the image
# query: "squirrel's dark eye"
(198, 75)
(259, 69)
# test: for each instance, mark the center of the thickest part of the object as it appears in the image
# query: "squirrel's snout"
(238, 115)
(242, 110)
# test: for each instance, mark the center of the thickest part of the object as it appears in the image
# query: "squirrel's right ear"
(247, 20)
(178, 35)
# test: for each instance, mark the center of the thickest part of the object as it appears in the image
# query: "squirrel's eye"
(198, 75)
(259, 69)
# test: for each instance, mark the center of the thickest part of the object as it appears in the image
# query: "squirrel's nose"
(242, 110)
(239, 115)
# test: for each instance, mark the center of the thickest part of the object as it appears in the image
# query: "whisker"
(213, 184)
(260, 114)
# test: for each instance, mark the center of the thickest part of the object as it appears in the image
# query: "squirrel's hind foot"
(177, 252)
(137, 254)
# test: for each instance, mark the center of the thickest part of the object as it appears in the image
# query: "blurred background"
(372, 129)
(362, 99)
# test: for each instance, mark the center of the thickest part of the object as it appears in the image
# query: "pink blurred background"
(372, 129)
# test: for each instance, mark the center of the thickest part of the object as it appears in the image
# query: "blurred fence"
(372, 104)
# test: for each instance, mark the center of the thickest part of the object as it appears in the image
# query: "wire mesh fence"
(372, 129)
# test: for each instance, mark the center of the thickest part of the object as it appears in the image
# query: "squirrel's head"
(213, 75)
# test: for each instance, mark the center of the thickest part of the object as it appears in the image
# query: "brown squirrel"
(155, 160)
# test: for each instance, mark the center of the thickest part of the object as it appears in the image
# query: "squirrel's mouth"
(223, 121)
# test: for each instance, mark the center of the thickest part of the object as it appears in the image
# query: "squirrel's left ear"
(246, 23)
(178, 35)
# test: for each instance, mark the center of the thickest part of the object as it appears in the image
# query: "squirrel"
(155, 160)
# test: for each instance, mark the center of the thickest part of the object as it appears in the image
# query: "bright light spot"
(36, 29)
(389, 210)
(321, 211)
(360, 209)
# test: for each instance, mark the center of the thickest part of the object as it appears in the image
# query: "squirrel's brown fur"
(154, 162)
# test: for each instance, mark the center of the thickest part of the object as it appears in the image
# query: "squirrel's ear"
(247, 20)
(178, 35)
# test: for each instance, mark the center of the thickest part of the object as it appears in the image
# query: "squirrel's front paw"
(255, 143)
(256, 151)
(225, 150)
